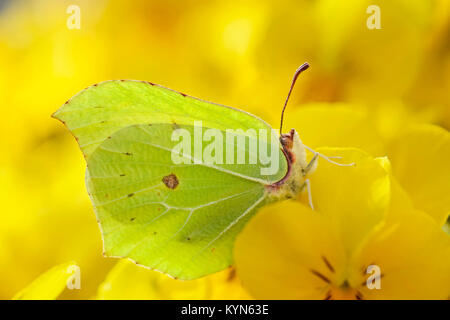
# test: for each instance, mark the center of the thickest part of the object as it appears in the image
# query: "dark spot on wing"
(109, 137)
(95, 84)
(154, 232)
(122, 175)
(130, 195)
(128, 153)
(188, 238)
(183, 94)
(132, 219)
(171, 181)
(175, 125)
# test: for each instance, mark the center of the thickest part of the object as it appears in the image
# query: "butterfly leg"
(308, 190)
(311, 164)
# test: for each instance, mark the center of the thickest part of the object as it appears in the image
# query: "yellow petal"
(400, 203)
(356, 198)
(446, 227)
(421, 163)
(129, 281)
(288, 251)
(334, 125)
(50, 284)
(413, 255)
(225, 285)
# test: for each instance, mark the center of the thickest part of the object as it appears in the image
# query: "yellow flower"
(419, 153)
(362, 221)
(129, 281)
(421, 163)
(50, 284)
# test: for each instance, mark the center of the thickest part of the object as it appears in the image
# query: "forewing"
(180, 219)
(102, 109)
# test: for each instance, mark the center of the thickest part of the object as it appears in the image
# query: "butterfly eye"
(286, 141)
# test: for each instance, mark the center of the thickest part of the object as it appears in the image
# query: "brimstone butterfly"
(180, 219)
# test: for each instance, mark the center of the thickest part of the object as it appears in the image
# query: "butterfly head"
(294, 180)
(293, 148)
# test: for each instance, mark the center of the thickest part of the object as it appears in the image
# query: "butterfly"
(177, 217)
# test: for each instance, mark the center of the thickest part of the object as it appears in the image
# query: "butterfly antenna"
(302, 68)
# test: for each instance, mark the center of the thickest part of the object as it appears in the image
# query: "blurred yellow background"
(237, 53)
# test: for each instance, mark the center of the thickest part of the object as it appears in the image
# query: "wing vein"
(234, 222)
(201, 162)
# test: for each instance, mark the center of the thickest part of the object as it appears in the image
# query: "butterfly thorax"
(294, 181)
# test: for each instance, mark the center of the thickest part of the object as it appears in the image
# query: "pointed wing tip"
(54, 116)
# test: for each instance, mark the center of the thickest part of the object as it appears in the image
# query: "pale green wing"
(100, 110)
(180, 219)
